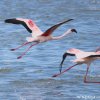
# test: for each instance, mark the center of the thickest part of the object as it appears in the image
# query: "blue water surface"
(30, 77)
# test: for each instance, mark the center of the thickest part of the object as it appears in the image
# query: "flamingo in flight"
(82, 57)
(37, 35)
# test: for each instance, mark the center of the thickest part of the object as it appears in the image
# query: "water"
(30, 77)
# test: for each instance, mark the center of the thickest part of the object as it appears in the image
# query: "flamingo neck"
(63, 35)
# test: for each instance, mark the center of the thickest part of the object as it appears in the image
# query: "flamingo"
(37, 35)
(82, 57)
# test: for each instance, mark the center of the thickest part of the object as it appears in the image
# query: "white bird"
(82, 57)
(37, 35)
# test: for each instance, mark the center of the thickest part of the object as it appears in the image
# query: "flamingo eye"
(30, 23)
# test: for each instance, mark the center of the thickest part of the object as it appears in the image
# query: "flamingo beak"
(63, 58)
(74, 30)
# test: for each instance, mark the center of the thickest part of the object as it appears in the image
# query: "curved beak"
(63, 58)
(75, 31)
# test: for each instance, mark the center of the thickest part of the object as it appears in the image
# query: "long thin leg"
(64, 71)
(20, 46)
(85, 77)
(27, 50)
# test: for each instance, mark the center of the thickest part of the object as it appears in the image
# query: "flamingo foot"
(19, 57)
(12, 49)
(55, 75)
(85, 81)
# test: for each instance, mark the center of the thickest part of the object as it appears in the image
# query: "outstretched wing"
(21, 21)
(93, 56)
(63, 58)
(78, 53)
(27, 23)
(51, 29)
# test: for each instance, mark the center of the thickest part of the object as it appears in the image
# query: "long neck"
(63, 35)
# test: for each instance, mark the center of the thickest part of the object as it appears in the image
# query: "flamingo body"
(37, 35)
(82, 57)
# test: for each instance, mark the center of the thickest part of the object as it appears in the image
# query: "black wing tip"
(9, 20)
(69, 20)
(94, 56)
(16, 21)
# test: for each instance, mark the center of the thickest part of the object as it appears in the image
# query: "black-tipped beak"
(63, 58)
(74, 30)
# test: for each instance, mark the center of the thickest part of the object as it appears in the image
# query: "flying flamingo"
(37, 35)
(82, 57)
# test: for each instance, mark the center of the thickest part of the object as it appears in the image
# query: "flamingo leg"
(20, 46)
(27, 50)
(85, 77)
(55, 75)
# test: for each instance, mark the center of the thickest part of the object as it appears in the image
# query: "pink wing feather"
(74, 51)
(27, 23)
(53, 28)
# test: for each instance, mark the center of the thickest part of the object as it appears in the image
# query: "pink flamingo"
(37, 35)
(82, 57)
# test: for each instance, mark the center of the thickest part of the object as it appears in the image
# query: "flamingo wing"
(78, 53)
(93, 56)
(27, 23)
(19, 21)
(74, 51)
(51, 29)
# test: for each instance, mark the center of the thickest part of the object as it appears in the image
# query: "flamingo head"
(74, 30)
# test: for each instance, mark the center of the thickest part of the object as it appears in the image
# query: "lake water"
(30, 77)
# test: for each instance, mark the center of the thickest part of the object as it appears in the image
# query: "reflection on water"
(30, 78)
